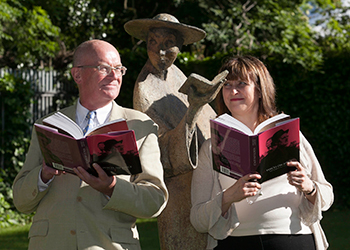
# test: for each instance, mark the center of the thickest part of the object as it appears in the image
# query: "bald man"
(83, 211)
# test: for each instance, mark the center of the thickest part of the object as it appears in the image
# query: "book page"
(271, 122)
(63, 122)
(232, 122)
(111, 126)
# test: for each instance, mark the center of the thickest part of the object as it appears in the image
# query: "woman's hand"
(242, 189)
(301, 181)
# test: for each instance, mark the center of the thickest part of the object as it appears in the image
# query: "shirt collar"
(102, 114)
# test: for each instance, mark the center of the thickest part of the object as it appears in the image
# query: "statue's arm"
(200, 91)
(181, 143)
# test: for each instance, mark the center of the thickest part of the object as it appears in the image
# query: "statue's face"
(163, 45)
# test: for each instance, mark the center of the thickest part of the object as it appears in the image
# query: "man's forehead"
(110, 58)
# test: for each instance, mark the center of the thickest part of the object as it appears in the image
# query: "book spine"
(84, 153)
(254, 153)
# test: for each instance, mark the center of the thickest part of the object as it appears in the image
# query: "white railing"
(48, 90)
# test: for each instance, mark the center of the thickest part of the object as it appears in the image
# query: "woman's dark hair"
(246, 68)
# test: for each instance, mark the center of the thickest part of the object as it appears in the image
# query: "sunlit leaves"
(26, 34)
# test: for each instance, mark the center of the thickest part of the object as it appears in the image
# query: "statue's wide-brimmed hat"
(139, 28)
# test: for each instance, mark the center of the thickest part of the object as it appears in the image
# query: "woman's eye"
(227, 85)
(243, 83)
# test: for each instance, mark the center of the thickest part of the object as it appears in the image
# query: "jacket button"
(72, 232)
(79, 199)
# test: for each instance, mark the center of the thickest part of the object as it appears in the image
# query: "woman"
(287, 215)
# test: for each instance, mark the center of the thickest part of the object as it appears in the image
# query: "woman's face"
(241, 98)
(162, 48)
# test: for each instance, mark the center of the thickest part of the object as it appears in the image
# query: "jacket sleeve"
(206, 198)
(144, 195)
(26, 195)
(311, 213)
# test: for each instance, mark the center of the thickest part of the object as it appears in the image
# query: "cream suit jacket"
(72, 215)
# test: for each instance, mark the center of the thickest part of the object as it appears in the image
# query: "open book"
(112, 146)
(238, 151)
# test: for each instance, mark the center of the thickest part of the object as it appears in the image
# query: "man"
(84, 211)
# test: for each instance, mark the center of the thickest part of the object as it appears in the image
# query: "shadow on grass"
(336, 225)
(148, 232)
(16, 237)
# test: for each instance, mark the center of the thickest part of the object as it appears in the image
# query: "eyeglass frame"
(121, 69)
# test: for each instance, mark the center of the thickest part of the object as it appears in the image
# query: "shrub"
(15, 133)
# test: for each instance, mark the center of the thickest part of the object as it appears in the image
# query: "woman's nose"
(234, 90)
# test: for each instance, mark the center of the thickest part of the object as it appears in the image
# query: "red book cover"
(236, 153)
(116, 152)
(277, 146)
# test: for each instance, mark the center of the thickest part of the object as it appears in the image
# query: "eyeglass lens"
(105, 69)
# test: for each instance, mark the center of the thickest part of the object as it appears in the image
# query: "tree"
(333, 23)
(267, 28)
(27, 35)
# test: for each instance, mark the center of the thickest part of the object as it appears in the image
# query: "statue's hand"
(200, 90)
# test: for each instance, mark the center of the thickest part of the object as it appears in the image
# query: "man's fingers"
(101, 173)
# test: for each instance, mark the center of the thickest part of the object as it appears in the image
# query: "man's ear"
(76, 74)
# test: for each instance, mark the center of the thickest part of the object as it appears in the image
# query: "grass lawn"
(16, 237)
(336, 225)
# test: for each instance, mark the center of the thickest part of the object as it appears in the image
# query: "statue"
(180, 107)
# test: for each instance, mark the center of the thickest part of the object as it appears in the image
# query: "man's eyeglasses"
(106, 69)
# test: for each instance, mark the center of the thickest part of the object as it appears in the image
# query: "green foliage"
(133, 60)
(15, 133)
(268, 28)
(336, 29)
(27, 35)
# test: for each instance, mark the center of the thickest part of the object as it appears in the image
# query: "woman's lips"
(236, 99)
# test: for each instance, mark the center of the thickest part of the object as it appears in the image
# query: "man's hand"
(103, 183)
(47, 173)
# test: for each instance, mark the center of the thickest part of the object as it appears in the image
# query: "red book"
(112, 146)
(238, 151)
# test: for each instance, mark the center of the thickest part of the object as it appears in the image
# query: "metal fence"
(50, 93)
